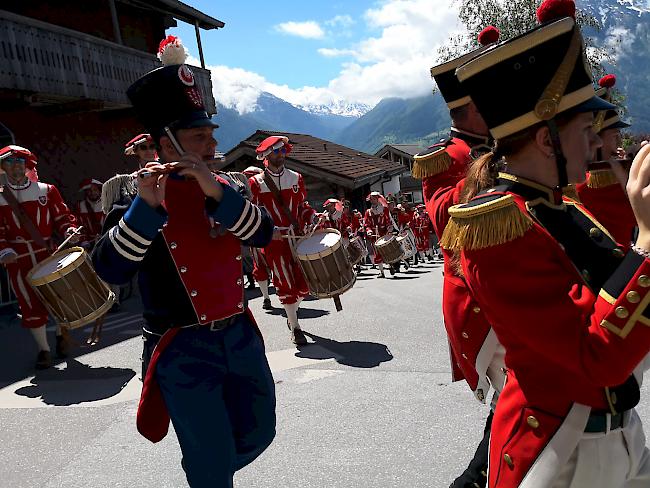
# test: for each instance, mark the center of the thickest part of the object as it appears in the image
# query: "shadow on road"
(354, 353)
(61, 387)
(303, 313)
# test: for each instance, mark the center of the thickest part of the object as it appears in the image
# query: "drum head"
(318, 243)
(384, 240)
(56, 263)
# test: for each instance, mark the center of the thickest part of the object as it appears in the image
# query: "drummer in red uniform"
(420, 226)
(377, 223)
(282, 192)
(334, 217)
(89, 211)
(26, 239)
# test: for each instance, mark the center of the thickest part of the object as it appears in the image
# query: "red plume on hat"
(171, 51)
(607, 81)
(489, 35)
(551, 10)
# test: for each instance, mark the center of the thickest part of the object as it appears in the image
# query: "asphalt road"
(368, 404)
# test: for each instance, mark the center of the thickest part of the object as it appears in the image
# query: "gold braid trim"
(431, 164)
(484, 225)
(571, 192)
(602, 178)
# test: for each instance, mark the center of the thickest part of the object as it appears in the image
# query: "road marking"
(45, 394)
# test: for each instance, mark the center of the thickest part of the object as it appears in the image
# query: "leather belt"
(598, 422)
(214, 326)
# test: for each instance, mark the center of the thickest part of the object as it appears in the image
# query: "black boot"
(251, 281)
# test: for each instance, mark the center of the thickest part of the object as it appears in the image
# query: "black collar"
(529, 189)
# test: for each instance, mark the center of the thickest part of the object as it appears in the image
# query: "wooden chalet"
(65, 66)
(403, 154)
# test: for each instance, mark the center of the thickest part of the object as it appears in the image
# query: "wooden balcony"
(47, 65)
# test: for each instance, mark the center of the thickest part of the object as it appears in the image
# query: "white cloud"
(340, 21)
(395, 63)
(619, 41)
(333, 52)
(307, 30)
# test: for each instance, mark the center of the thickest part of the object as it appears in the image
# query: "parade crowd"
(541, 218)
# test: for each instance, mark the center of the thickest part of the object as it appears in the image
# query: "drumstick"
(76, 231)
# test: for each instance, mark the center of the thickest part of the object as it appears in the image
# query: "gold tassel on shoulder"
(485, 225)
(602, 178)
(571, 192)
(431, 164)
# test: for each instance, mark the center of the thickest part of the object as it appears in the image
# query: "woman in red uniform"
(565, 300)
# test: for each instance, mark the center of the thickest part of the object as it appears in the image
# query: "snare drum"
(406, 238)
(70, 289)
(325, 264)
(357, 250)
(389, 249)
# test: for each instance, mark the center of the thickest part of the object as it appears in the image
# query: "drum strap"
(276, 193)
(22, 216)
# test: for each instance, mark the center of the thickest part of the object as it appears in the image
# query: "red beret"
(30, 158)
(129, 147)
(271, 143)
(88, 182)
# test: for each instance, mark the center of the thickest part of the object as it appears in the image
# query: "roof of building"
(180, 11)
(325, 158)
(409, 149)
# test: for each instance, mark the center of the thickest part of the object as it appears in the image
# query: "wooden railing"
(58, 64)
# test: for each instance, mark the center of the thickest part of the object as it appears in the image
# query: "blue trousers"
(220, 394)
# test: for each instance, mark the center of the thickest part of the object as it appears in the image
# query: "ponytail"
(481, 174)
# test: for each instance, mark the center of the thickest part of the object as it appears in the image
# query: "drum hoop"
(318, 256)
(59, 273)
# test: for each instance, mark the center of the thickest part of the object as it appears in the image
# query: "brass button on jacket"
(633, 297)
(508, 460)
(476, 309)
(622, 312)
(595, 232)
(532, 422)
(644, 281)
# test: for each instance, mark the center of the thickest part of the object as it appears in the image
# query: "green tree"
(513, 18)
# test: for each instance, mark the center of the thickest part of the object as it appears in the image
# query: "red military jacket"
(293, 193)
(473, 344)
(46, 209)
(377, 225)
(569, 306)
(604, 196)
(91, 216)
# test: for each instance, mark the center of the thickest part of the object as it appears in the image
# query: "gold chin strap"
(549, 102)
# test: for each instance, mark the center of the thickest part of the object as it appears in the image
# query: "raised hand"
(151, 183)
(638, 191)
(192, 165)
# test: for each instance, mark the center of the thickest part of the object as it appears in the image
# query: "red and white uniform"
(91, 217)
(420, 226)
(377, 224)
(287, 275)
(43, 204)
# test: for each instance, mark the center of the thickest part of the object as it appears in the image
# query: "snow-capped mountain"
(610, 12)
(337, 107)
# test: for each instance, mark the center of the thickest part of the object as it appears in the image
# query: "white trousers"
(616, 459)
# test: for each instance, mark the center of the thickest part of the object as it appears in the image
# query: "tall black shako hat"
(169, 96)
(454, 94)
(608, 119)
(534, 77)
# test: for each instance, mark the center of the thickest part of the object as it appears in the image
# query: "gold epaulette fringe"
(571, 192)
(485, 225)
(602, 178)
(431, 164)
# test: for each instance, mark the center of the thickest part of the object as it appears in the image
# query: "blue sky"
(251, 39)
(321, 52)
